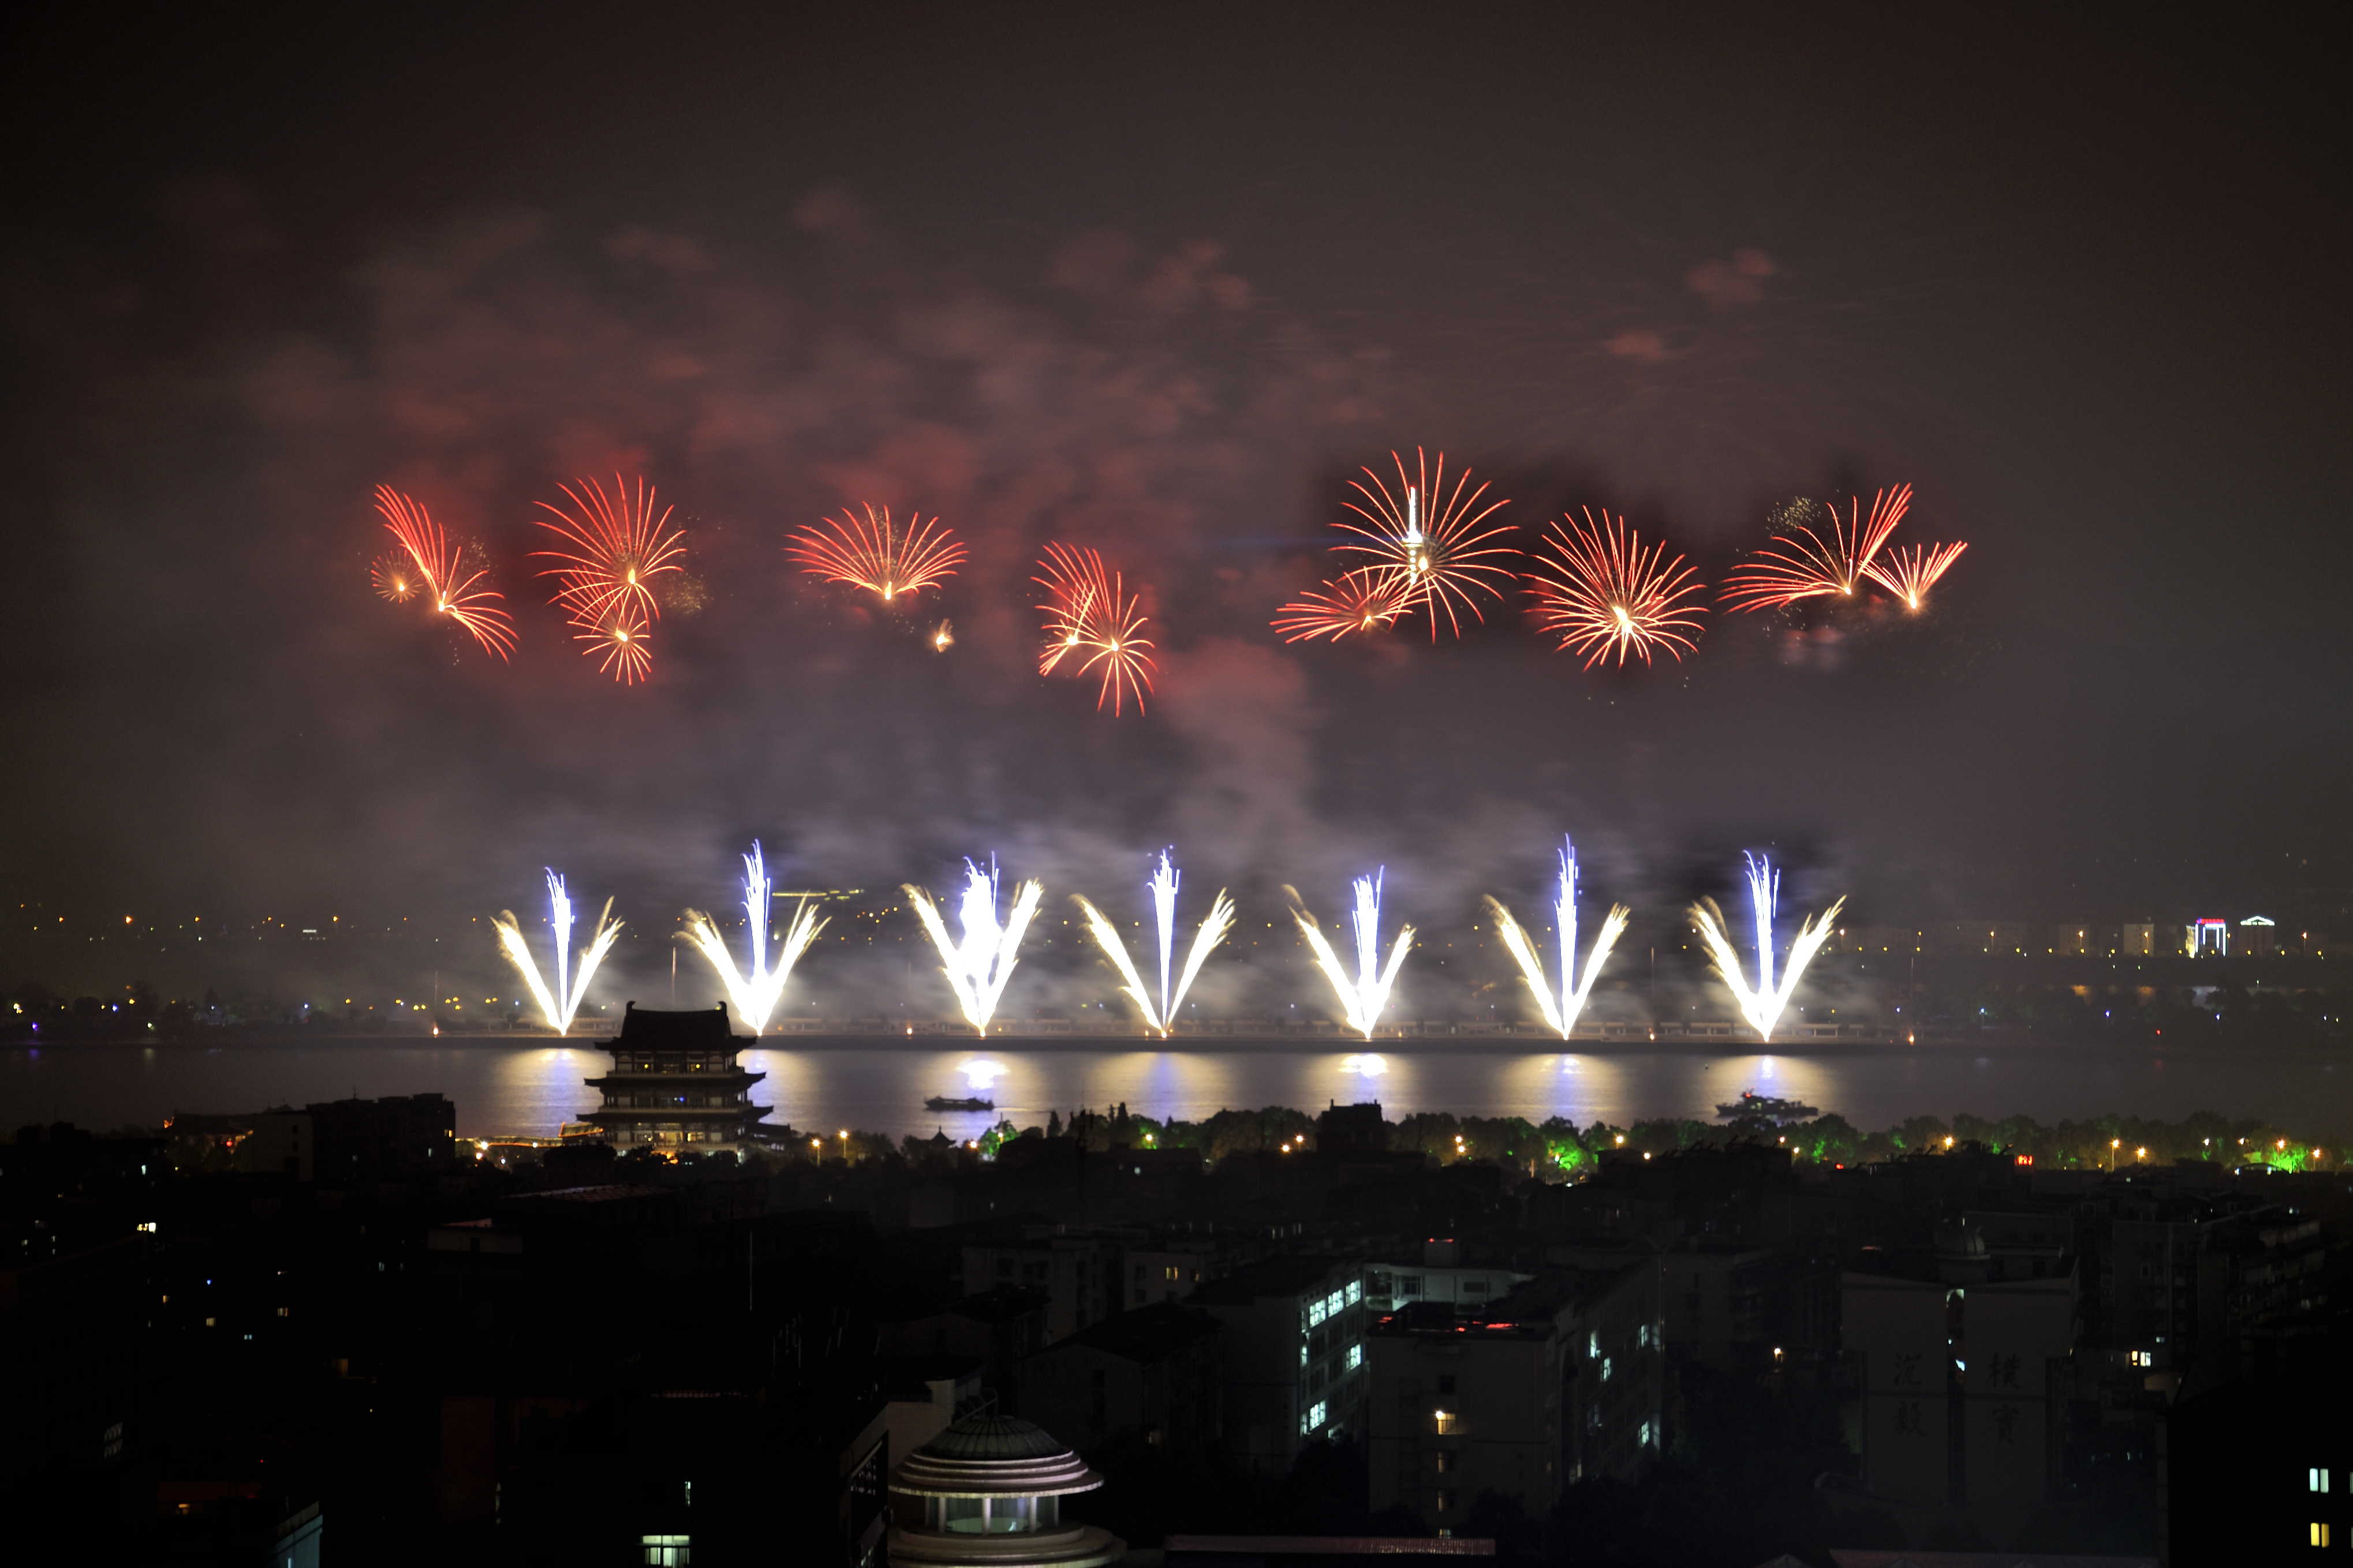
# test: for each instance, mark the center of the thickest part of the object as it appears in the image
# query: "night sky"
(1158, 280)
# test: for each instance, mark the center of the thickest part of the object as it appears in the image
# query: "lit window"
(2317, 1480)
(667, 1550)
(2320, 1535)
(1355, 1292)
(1446, 1421)
(1593, 1343)
(1313, 1419)
(1646, 1434)
(1446, 1503)
(1607, 1366)
(1315, 1313)
(1357, 1359)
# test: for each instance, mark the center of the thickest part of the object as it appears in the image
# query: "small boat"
(1754, 1107)
(941, 1102)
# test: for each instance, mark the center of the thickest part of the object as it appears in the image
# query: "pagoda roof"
(703, 1029)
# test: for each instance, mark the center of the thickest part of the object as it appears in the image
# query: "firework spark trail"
(1070, 604)
(1363, 600)
(1431, 545)
(1090, 612)
(1801, 564)
(1162, 1016)
(1909, 577)
(1765, 901)
(617, 546)
(878, 555)
(1608, 593)
(1763, 1003)
(563, 1005)
(756, 998)
(1366, 996)
(441, 567)
(1561, 1016)
(978, 967)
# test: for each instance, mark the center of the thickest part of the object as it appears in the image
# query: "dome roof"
(995, 1438)
(994, 1456)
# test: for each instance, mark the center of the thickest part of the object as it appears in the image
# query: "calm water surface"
(530, 1087)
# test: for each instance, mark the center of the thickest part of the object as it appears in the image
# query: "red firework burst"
(615, 547)
(1606, 592)
(876, 555)
(1090, 615)
(1365, 600)
(395, 577)
(1802, 564)
(625, 638)
(1909, 577)
(1429, 541)
(455, 592)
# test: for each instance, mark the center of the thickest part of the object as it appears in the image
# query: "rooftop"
(703, 1029)
(1271, 1278)
(1144, 1335)
(999, 1304)
(994, 1456)
(1245, 1546)
(1528, 1311)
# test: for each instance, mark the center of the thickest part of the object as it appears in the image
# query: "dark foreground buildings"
(369, 1349)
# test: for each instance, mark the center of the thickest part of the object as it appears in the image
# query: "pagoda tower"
(675, 1085)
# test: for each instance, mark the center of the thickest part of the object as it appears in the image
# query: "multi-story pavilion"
(675, 1086)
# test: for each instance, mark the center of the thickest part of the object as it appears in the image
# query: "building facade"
(1559, 1380)
(675, 1086)
(1153, 1373)
(1293, 1335)
(1964, 1383)
(1077, 1269)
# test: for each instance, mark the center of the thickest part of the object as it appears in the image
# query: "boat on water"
(941, 1102)
(1754, 1107)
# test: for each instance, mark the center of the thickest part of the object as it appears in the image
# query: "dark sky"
(1158, 280)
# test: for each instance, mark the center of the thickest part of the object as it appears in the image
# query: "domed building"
(987, 1493)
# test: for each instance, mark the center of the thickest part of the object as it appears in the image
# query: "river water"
(530, 1087)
